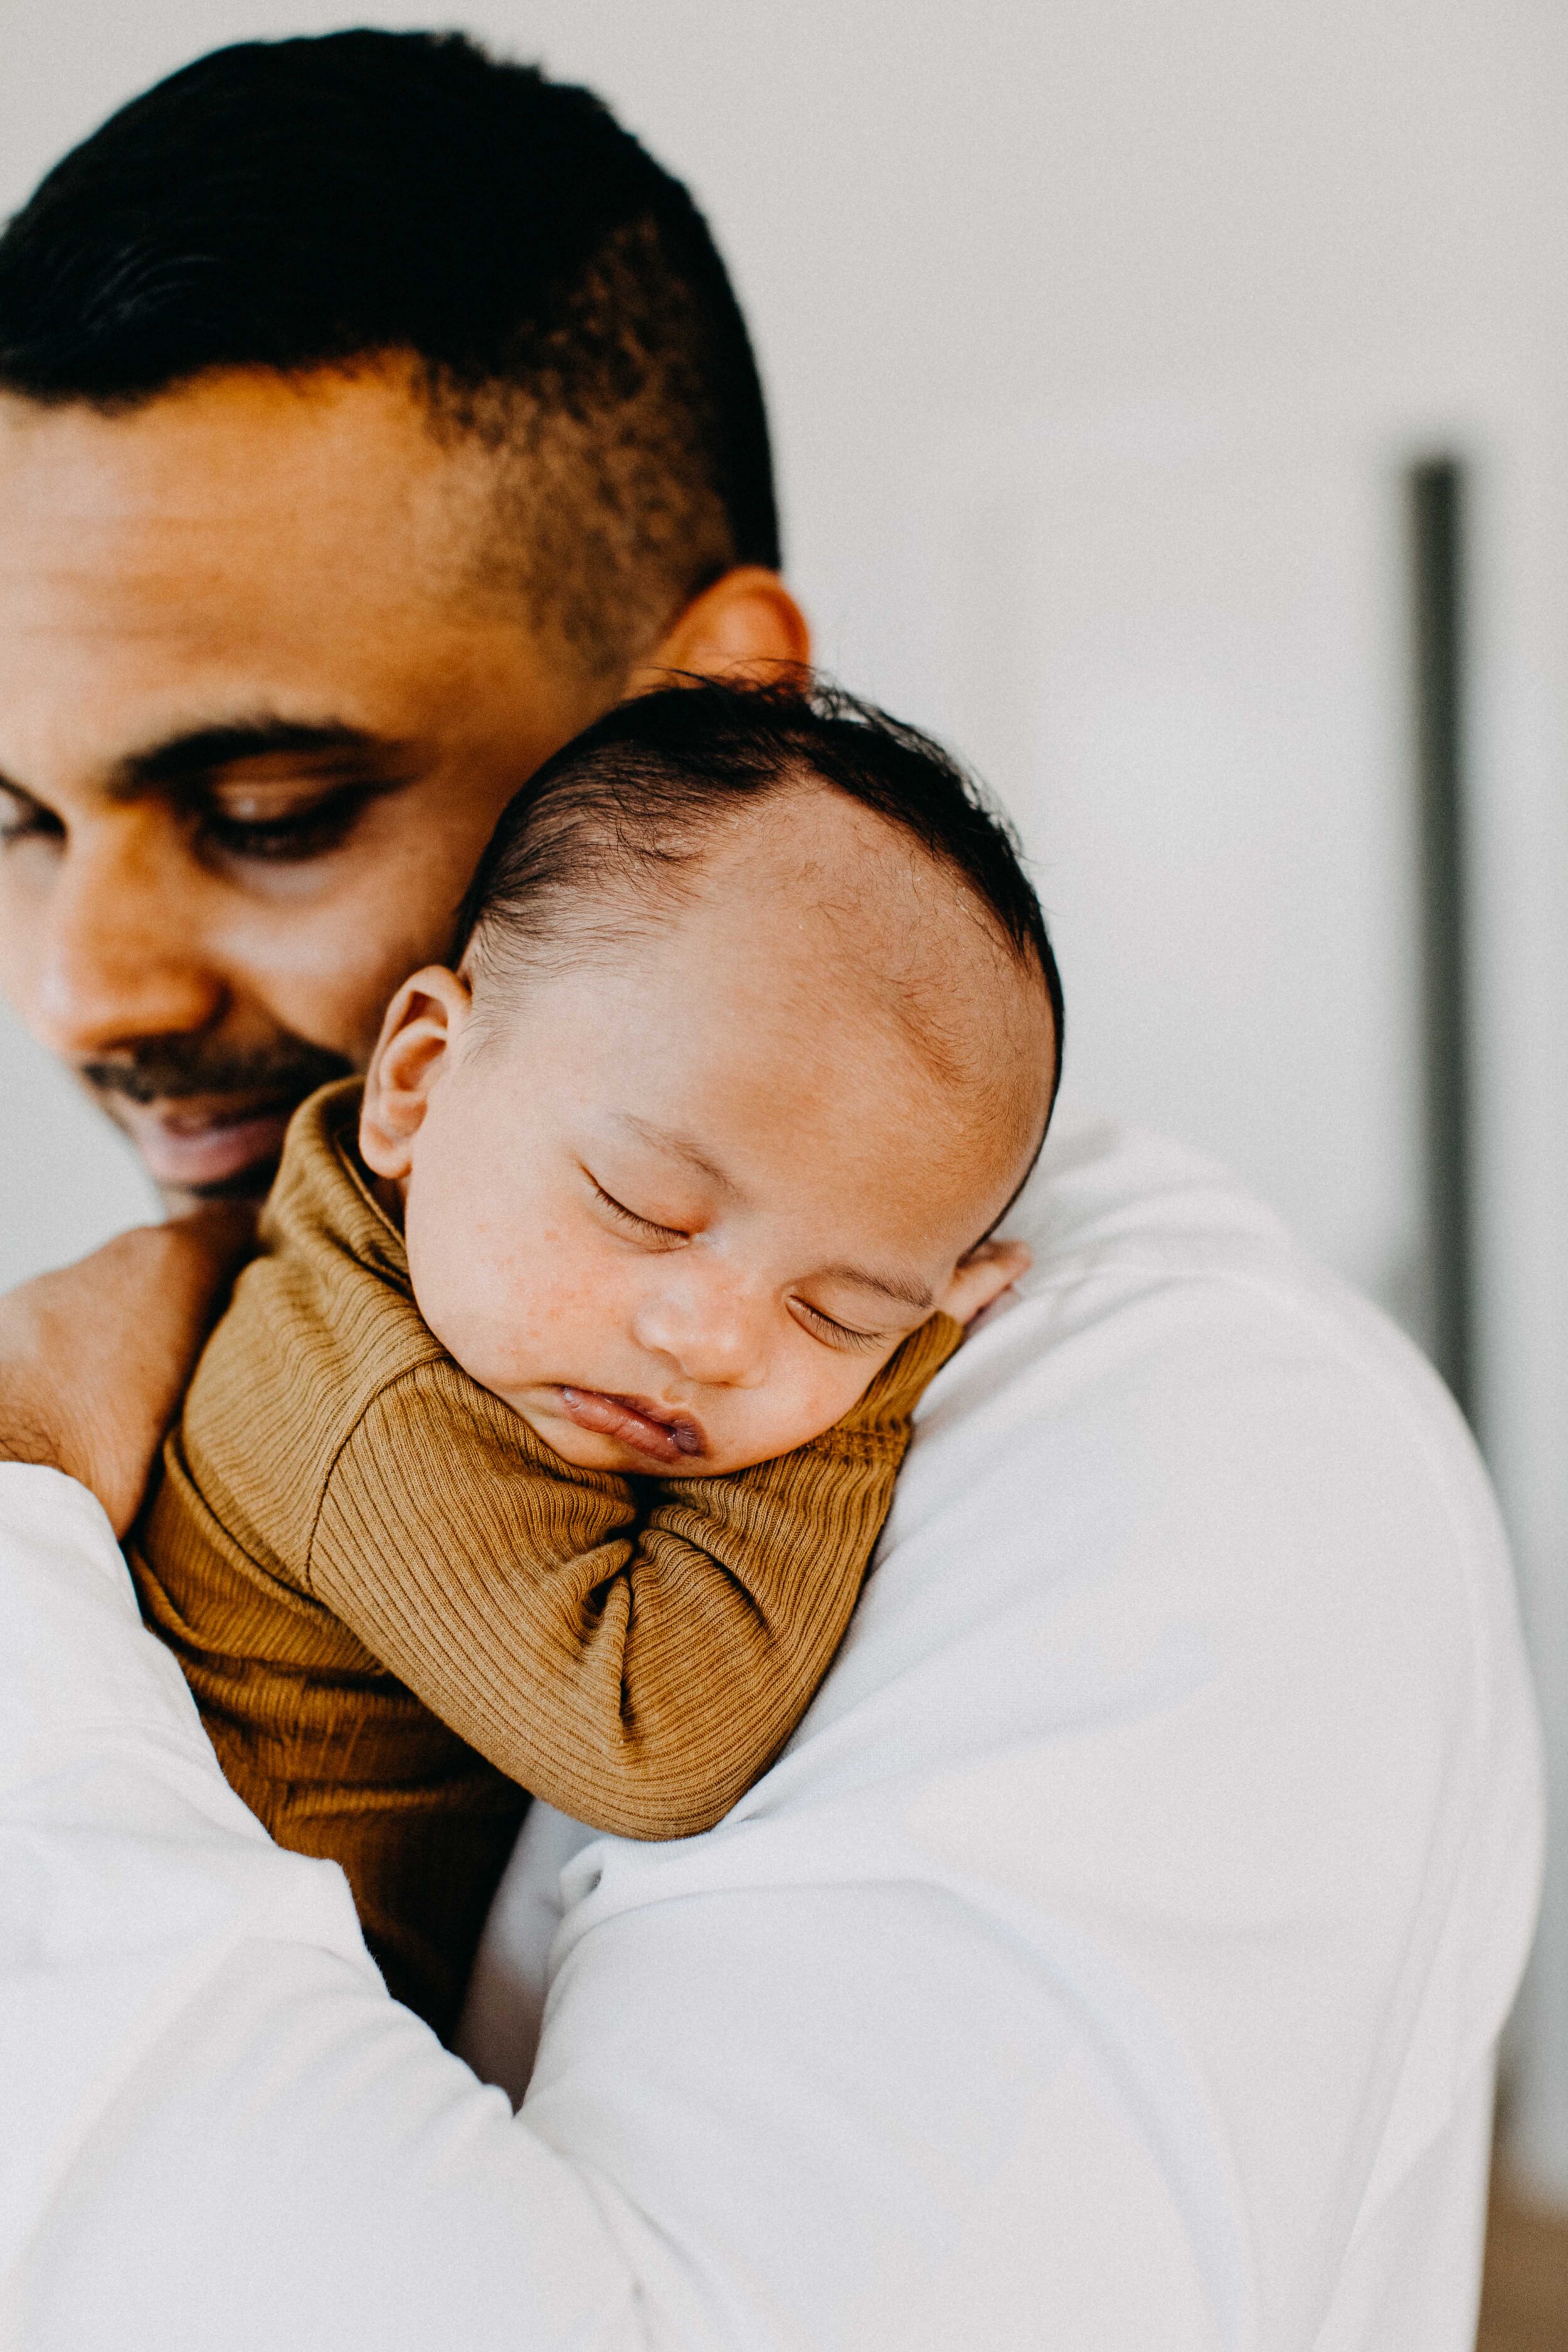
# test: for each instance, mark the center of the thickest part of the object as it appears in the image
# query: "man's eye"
(665, 1235)
(836, 1334)
(22, 818)
(297, 835)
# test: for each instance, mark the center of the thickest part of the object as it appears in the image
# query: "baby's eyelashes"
(836, 1334)
(662, 1236)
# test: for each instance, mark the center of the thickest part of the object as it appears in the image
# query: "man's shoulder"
(1190, 1508)
(1175, 1355)
(1101, 1181)
(1255, 1663)
(1182, 1274)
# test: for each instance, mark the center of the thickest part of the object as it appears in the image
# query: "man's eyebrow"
(891, 1286)
(199, 753)
(670, 1140)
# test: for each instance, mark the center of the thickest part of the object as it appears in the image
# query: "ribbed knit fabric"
(398, 1609)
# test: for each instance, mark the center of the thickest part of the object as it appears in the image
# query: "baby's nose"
(712, 1332)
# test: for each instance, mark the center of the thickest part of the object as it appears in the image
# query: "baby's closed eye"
(837, 1335)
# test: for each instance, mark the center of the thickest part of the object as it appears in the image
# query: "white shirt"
(1114, 1958)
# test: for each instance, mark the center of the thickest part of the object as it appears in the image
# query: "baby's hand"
(982, 1276)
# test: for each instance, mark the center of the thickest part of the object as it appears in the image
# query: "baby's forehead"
(806, 953)
(869, 885)
(871, 973)
(856, 910)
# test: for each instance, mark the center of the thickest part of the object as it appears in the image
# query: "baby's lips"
(636, 1423)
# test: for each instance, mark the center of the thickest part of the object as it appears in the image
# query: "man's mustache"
(168, 1069)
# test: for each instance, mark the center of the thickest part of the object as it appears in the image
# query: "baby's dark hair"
(617, 813)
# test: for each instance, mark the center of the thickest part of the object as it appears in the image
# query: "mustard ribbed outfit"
(398, 1609)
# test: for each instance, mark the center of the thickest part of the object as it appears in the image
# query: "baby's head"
(752, 1039)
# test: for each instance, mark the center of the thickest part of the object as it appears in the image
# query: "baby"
(547, 1446)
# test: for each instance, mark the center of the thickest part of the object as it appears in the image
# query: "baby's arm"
(330, 1752)
(639, 1676)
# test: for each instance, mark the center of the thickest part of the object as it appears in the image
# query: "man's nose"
(119, 954)
(711, 1328)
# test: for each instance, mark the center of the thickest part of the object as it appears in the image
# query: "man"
(1117, 1954)
(266, 712)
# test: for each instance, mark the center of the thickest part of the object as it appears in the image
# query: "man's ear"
(747, 624)
(423, 1024)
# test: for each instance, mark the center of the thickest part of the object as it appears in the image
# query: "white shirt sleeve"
(1115, 1957)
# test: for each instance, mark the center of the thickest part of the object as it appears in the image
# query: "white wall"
(1097, 332)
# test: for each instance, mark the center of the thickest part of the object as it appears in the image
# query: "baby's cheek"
(471, 1285)
(518, 1321)
(822, 1393)
(552, 1313)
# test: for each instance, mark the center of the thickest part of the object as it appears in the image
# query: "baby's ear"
(983, 1274)
(424, 1022)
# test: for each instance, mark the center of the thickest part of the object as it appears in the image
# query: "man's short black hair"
(619, 811)
(325, 202)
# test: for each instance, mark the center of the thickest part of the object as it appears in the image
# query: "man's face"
(256, 725)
